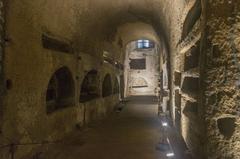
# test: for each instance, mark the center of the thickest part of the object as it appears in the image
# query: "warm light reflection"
(165, 124)
(170, 154)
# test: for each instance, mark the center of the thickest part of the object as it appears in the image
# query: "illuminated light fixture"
(171, 154)
(106, 54)
(165, 124)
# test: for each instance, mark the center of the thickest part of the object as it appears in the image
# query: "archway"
(142, 64)
(89, 87)
(60, 91)
(193, 16)
(122, 86)
(107, 86)
(139, 83)
(116, 89)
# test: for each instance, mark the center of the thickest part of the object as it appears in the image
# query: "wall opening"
(193, 15)
(60, 92)
(122, 85)
(139, 83)
(144, 44)
(116, 89)
(192, 59)
(56, 44)
(190, 85)
(107, 86)
(191, 109)
(226, 126)
(9, 84)
(178, 77)
(178, 109)
(137, 64)
(89, 87)
(141, 68)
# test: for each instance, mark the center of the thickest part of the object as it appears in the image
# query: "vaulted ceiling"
(96, 24)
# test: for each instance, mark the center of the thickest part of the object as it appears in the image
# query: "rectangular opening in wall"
(144, 86)
(56, 44)
(138, 64)
(190, 86)
(178, 77)
(144, 44)
(192, 58)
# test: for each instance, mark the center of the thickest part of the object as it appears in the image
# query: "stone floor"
(132, 133)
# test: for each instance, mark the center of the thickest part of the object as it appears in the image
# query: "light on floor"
(170, 154)
(165, 124)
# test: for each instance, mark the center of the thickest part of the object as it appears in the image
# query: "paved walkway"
(131, 134)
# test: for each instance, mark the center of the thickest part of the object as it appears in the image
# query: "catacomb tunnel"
(132, 79)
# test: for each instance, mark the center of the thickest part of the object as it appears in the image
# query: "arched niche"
(139, 82)
(107, 86)
(193, 15)
(116, 89)
(122, 85)
(89, 87)
(60, 91)
(226, 126)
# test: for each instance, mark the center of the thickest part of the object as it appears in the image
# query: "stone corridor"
(66, 64)
(132, 133)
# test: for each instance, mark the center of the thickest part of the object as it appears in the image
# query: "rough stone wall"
(184, 92)
(2, 39)
(164, 83)
(90, 27)
(222, 79)
(184, 76)
(29, 67)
